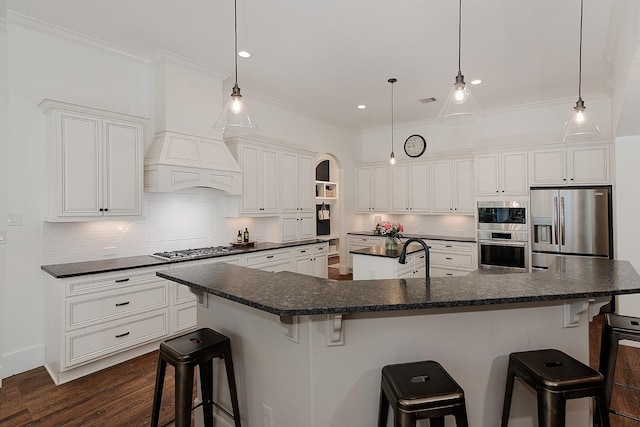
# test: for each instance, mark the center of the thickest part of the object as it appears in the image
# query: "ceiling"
(327, 56)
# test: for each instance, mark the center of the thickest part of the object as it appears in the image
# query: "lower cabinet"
(99, 320)
(300, 226)
(312, 260)
(449, 258)
(360, 242)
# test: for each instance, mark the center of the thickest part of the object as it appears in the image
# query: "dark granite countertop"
(421, 236)
(287, 294)
(60, 271)
(382, 251)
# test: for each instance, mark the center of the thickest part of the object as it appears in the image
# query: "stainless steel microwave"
(502, 215)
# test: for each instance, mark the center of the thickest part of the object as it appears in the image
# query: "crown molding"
(66, 34)
(162, 56)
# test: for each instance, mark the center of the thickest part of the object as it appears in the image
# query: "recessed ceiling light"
(476, 82)
(361, 107)
(244, 54)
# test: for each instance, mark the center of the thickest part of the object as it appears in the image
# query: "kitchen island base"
(304, 379)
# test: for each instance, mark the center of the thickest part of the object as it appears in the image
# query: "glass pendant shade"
(235, 119)
(460, 107)
(580, 127)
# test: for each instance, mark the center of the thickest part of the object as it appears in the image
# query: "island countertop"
(288, 294)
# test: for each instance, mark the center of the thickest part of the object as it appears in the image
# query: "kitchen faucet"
(403, 254)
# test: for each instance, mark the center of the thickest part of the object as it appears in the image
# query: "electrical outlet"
(267, 415)
(3, 236)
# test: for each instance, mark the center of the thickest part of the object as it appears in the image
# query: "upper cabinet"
(97, 162)
(452, 186)
(410, 186)
(576, 165)
(298, 182)
(259, 189)
(372, 189)
(501, 174)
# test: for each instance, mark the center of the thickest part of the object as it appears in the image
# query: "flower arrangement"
(389, 229)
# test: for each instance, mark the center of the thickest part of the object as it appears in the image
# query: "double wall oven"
(503, 237)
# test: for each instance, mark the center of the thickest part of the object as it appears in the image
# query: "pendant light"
(235, 119)
(579, 127)
(392, 157)
(460, 107)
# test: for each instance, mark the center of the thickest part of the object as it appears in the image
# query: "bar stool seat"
(184, 353)
(556, 377)
(420, 390)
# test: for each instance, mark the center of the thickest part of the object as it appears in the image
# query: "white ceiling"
(327, 56)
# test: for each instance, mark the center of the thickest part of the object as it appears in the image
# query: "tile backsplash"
(171, 221)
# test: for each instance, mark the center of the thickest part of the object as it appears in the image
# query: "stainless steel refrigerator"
(570, 221)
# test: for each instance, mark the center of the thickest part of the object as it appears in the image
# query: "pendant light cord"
(235, 30)
(580, 54)
(459, 34)
(392, 116)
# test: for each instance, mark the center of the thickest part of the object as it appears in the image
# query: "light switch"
(14, 218)
(3, 236)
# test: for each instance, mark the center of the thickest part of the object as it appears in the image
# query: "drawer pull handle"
(270, 256)
(303, 252)
(122, 335)
(122, 280)
(449, 258)
(120, 304)
(449, 274)
(448, 246)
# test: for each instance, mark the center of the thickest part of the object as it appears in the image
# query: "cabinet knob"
(497, 191)
(503, 191)
(101, 210)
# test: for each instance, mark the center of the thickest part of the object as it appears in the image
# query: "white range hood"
(180, 156)
(176, 161)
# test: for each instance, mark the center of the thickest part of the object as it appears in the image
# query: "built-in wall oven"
(503, 237)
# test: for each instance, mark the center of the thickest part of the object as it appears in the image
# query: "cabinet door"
(380, 190)
(269, 180)
(122, 177)
(250, 160)
(589, 165)
(306, 227)
(303, 266)
(463, 187)
(419, 186)
(399, 189)
(289, 228)
(548, 167)
(514, 174)
(306, 183)
(363, 189)
(290, 182)
(487, 174)
(441, 185)
(81, 157)
(321, 266)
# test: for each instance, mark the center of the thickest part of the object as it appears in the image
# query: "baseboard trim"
(22, 360)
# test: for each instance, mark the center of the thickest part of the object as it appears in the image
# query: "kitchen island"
(311, 349)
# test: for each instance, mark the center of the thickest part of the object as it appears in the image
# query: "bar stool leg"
(231, 379)
(184, 394)
(508, 392)
(403, 419)
(603, 409)
(461, 416)
(436, 422)
(551, 409)
(157, 395)
(206, 383)
(383, 410)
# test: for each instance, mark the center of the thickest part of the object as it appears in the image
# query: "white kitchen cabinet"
(452, 258)
(298, 182)
(260, 169)
(274, 261)
(96, 162)
(372, 189)
(575, 165)
(410, 185)
(97, 320)
(452, 186)
(501, 174)
(312, 260)
(300, 226)
(360, 242)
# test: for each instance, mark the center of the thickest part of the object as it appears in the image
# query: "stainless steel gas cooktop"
(196, 253)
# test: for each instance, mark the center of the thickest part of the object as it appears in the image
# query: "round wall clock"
(415, 145)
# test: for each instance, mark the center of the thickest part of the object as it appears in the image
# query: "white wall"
(4, 177)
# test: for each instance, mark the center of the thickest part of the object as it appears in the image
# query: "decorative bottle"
(239, 238)
(246, 235)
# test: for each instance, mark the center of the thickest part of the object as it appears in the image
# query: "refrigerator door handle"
(562, 220)
(555, 219)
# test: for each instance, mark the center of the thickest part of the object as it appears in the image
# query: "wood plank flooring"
(118, 396)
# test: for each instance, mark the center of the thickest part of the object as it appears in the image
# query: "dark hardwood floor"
(334, 272)
(118, 396)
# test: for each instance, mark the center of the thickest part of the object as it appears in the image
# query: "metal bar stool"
(420, 390)
(556, 377)
(184, 353)
(616, 328)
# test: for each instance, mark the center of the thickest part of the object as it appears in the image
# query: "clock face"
(415, 145)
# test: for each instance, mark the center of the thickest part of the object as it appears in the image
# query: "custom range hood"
(186, 151)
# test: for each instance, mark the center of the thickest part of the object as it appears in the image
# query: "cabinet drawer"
(276, 266)
(453, 260)
(365, 240)
(266, 257)
(85, 312)
(103, 340)
(444, 272)
(450, 246)
(311, 250)
(111, 281)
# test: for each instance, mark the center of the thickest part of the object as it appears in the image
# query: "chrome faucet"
(403, 254)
